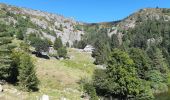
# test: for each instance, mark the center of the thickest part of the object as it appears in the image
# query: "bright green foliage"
(58, 43)
(157, 81)
(27, 75)
(91, 91)
(120, 79)
(5, 53)
(99, 81)
(155, 76)
(122, 75)
(146, 92)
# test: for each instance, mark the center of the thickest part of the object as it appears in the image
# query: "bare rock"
(45, 97)
(63, 98)
(1, 88)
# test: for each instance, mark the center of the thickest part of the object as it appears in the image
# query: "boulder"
(45, 97)
(1, 88)
(63, 98)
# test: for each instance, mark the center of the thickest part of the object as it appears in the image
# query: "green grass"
(58, 78)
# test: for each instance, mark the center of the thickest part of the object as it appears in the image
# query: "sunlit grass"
(59, 78)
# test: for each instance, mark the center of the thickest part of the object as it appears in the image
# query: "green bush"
(62, 52)
(90, 90)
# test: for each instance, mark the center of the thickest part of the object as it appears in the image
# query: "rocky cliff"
(47, 24)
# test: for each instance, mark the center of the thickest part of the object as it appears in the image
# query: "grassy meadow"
(58, 78)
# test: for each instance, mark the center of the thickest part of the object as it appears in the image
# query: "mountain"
(50, 25)
(144, 38)
(47, 24)
(135, 50)
(134, 20)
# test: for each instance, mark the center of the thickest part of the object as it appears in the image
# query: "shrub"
(62, 52)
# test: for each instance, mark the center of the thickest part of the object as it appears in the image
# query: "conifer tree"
(5, 53)
(58, 43)
(122, 76)
(62, 52)
(27, 75)
(101, 52)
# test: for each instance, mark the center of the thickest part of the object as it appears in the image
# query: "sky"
(90, 11)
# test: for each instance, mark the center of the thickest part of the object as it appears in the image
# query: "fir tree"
(58, 43)
(5, 53)
(101, 52)
(122, 76)
(27, 75)
(62, 52)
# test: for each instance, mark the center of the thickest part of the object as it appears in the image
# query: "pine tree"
(27, 75)
(58, 43)
(62, 52)
(159, 62)
(101, 52)
(141, 60)
(114, 41)
(5, 53)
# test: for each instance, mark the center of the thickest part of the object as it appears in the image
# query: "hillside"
(142, 38)
(133, 55)
(119, 28)
(44, 24)
(58, 79)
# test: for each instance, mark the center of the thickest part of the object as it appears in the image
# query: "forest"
(138, 68)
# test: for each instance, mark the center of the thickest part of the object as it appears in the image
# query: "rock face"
(59, 25)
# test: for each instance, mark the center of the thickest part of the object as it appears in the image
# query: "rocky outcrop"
(56, 24)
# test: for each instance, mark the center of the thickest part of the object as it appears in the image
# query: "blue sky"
(90, 10)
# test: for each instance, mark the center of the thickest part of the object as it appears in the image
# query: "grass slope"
(58, 78)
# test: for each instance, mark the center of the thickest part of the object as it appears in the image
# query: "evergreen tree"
(5, 53)
(141, 60)
(27, 75)
(58, 43)
(41, 45)
(91, 91)
(120, 79)
(122, 76)
(101, 52)
(20, 34)
(159, 62)
(62, 52)
(114, 41)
